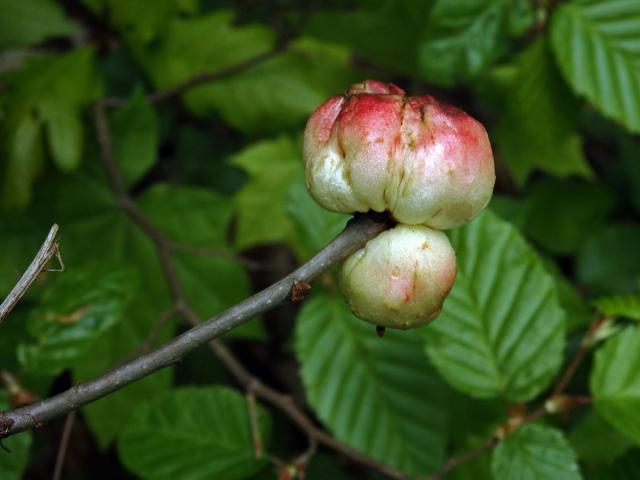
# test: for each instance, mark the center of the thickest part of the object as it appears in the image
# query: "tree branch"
(355, 235)
(47, 251)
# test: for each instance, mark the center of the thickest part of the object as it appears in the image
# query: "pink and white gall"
(400, 278)
(373, 148)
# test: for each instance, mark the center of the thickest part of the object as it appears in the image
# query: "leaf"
(30, 22)
(13, 465)
(609, 259)
(596, 47)
(540, 113)
(535, 452)
(142, 20)
(46, 97)
(315, 226)
(615, 382)
(192, 433)
(278, 93)
(384, 32)
(501, 331)
(24, 160)
(109, 415)
(198, 218)
(560, 213)
(462, 37)
(377, 395)
(134, 129)
(626, 467)
(78, 308)
(272, 166)
(596, 441)
(627, 306)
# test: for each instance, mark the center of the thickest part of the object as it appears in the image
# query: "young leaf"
(271, 165)
(13, 465)
(535, 452)
(627, 306)
(134, 129)
(78, 308)
(463, 37)
(193, 433)
(501, 331)
(596, 47)
(615, 382)
(378, 395)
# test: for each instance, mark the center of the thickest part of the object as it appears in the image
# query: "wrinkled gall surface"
(400, 278)
(373, 148)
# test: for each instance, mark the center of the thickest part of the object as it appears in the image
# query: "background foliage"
(218, 170)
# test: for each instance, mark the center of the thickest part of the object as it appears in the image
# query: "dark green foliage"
(217, 169)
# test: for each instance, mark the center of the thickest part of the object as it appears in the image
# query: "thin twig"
(578, 358)
(155, 330)
(48, 250)
(254, 424)
(64, 443)
(201, 78)
(454, 462)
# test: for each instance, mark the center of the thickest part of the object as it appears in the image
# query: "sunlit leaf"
(596, 47)
(501, 331)
(378, 395)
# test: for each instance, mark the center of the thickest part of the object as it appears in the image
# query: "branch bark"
(47, 251)
(355, 235)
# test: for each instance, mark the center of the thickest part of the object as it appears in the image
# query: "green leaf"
(279, 93)
(143, 20)
(385, 32)
(609, 259)
(272, 166)
(24, 159)
(462, 37)
(596, 441)
(627, 306)
(535, 452)
(192, 433)
(537, 128)
(501, 331)
(29, 22)
(77, 309)
(93, 226)
(108, 416)
(615, 382)
(48, 96)
(198, 218)
(596, 47)
(378, 395)
(13, 465)
(314, 226)
(134, 129)
(560, 213)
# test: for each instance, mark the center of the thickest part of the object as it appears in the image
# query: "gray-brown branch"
(47, 251)
(355, 235)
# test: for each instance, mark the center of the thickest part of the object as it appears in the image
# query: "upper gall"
(423, 161)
